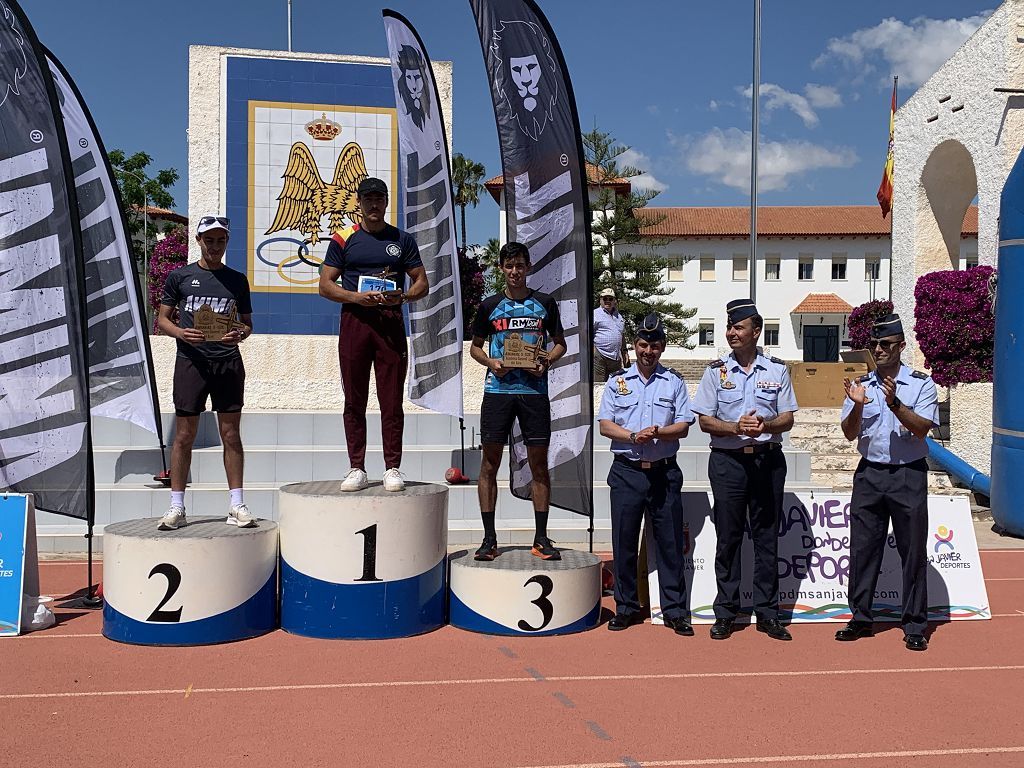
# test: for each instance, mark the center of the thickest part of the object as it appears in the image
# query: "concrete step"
(293, 464)
(115, 503)
(825, 445)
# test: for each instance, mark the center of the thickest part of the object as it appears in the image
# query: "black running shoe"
(544, 548)
(488, 549)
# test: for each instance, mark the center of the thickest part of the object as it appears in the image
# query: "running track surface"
(642, 697)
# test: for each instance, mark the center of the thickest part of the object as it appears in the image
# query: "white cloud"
(646, 181)
(776, 97)
(913, 50)
(724, 156)
(822, 96)
(713, 106)
(653, 109)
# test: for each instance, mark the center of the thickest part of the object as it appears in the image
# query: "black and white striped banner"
(546, 209)
(45, 441)
(425, 189)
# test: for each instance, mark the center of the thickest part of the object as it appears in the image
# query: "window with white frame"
(707, 267)
(838, 266)
(971, 261)
(805, 267)
(739, 267)
(771, 333)
(873, 266)
(706, 333)
(772, 266)
(675, 268)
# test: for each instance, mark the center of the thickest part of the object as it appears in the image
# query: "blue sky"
(670, 79)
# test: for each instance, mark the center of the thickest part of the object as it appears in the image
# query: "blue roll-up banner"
(13, 530)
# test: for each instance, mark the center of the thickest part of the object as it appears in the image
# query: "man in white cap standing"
(610, 354)
(207, 369)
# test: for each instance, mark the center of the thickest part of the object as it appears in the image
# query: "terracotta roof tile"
(779, 221)
(822, 304)
(494, 185)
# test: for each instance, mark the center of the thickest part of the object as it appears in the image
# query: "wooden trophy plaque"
(213, 326)
(519, 354)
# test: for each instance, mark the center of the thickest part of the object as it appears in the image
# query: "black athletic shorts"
(223, 381)
(498, 412)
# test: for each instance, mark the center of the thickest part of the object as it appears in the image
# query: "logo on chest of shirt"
(393, 250)
(518, 324)
(621, 384)
(195, 281)
(723, 377)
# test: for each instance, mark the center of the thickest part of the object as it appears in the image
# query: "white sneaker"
(239, 515)
(355, 480)
(393, 480)
(174, 519)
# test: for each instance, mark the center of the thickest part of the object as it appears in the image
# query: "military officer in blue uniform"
(745, 402)
(645, 411)
(889, 413)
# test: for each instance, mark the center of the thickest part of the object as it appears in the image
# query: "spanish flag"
(885, 188)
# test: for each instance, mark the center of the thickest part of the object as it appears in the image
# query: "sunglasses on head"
(223, 220)
(885, 346)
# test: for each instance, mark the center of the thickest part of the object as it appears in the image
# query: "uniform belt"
(918, 464)
(641, 464)
(749, 449)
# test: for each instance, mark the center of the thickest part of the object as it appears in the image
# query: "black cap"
(740, 309)
(887, 325)
(650, 328)
(370, 185)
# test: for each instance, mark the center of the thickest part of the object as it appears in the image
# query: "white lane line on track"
(1011, 578)
(44, 636)
(789, 759)
(946, 671)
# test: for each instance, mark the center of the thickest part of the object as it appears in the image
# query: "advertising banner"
(814, 562)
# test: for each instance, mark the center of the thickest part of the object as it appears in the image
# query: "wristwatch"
(895, 404)
(632, 437)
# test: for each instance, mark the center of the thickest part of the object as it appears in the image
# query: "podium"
(519, 594)
(205, 583)
(361, 565)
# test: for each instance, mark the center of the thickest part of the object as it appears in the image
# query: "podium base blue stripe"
(256, 616)
(367, 611)
(464, 617)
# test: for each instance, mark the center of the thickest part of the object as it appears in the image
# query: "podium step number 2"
(205, 583)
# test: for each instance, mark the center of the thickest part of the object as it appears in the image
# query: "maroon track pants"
(377, 338)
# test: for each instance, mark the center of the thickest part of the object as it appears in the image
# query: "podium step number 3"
(205, 583)
(519, 594)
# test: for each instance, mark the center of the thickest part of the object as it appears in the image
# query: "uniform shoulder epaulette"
(675, 372)
(919, 374)
(716, 363)
(617, 373)
(777, 361)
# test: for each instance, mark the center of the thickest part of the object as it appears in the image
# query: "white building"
(814, 265)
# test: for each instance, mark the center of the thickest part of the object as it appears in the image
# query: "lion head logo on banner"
(13, 62)
(412, 85)
(533, 92)
(305, 197)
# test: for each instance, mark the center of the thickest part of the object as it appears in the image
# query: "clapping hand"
(751, 424)
(889, 388)
(856, 391)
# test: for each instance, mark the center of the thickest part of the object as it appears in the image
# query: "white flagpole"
(289, 26)
(753, 149)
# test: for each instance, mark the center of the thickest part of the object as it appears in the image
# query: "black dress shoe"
(854, 630)
(721, 629)
(680, 626)
(622, 621)
(916, 642)
(774, 629)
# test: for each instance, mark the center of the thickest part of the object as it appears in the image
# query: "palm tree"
(466, 178)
